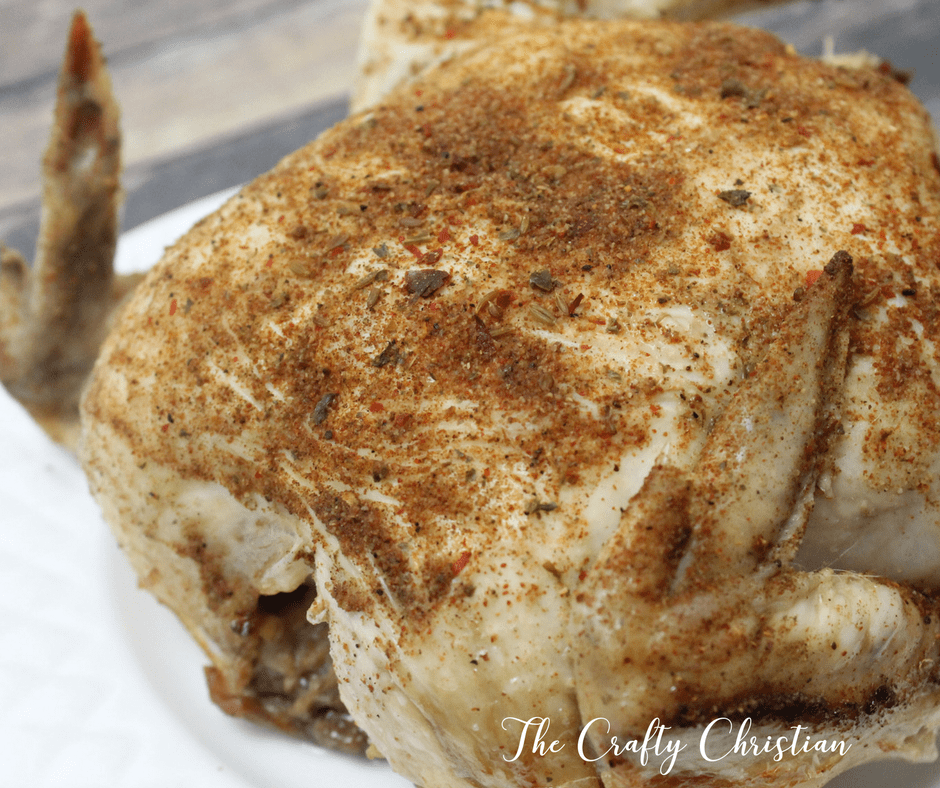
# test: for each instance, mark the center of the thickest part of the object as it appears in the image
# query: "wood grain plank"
(34, 32)
(197, 85)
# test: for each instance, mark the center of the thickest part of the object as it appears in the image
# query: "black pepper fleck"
(320, 410)
(735, 197)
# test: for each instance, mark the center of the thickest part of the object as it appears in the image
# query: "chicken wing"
(54, 316)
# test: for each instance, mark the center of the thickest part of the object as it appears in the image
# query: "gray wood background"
(214, 92)
(211, 92)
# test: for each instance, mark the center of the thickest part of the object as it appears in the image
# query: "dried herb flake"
(542, 280)
(388, 356)
(320, 410)
(424, 282)
(734, 197)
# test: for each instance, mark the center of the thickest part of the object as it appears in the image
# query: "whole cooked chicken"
(583, 393)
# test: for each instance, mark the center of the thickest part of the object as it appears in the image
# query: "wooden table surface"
(214, 92)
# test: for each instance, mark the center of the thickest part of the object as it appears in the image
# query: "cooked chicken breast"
(590, 377)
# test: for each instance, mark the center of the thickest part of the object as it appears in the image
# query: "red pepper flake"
(461, 562)
(486, 473)
(164, 428)
(450, 33)
(474, 240)
(585, 347)
(414, 250)
(173, 307)
(575, 304)
(858, 229)
(258, 474)
(803, 131)
(270, 262)
(376, 407)
(280, 218)
(719, 241)
(812, 277)
(443, 236)
(504, 298)
(865, 162)
(404, 420)
(429, 258)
